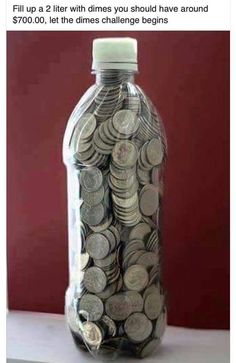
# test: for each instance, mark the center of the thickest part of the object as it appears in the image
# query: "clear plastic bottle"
(115, 150)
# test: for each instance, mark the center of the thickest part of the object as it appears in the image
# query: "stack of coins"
(94, 195)
(108, 101)
(118, 153)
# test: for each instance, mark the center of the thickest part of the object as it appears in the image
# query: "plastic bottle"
(115, 150)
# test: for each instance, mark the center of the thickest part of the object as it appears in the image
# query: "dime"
(92, 334)
(116, 233)
(133, 246)
(153, 305)
(118, 307)
(136, 301)
(91, 307)
(153, 242)
(161, 325)
(149, 200)
(104, 224)
(84, 260)
(72, 319)
(92, 215)
(149, 347)
(108, 291)
(143, 176)
(111, 238)
(97, 245)
(154, 274)
(107, 261)
(151, 289)
(125, 203)
(95, 279)
(148, 259)
(92, 198)
(86, 126)
(91, 179)
(154, 152)
(140, 231)
(125, 154)
(126, 122)
(149, 221)
(122, 174)
(133, 257)
(138, 327)
(82, 146)
(136, 278)
(122, 184)
(110, 325)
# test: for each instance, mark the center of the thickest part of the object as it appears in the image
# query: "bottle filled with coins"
(115, 150)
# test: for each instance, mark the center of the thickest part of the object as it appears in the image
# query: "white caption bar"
(118, 15)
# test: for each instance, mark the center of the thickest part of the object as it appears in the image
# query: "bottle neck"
(111, 77)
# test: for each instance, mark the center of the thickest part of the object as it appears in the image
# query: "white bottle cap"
(115, 53)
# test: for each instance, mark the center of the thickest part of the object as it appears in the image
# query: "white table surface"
(39, 337)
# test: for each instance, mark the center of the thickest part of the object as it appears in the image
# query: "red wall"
(187, 76)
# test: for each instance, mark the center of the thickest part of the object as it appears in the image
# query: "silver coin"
(144, 176)
(153, 242)
(107, 261)
(136, 301)
(101, 146)
(154, 275)
(149, 221)
(114, 277)
(84, 260)
(116, 233)
(125, 203)
(92, 198)
(95, 279)
(126, 193)
(91, 307)
(91, 179)
(153, 305)
(92, 215)
(133, 257)
(118, 307)
(83, 146)
(140, 231)
(86, 126)
(149, 347)
(97, 245)
(149, 200)
(154, 152)
(110, 237)
(85, 155)
(161, 324)
(122, 184)
(138, 327)
(72, 319)
(125, 154)
(122, 174)
(111, 326)
(151, 289)
(104, 224)
(148, 259)
(92, 334)
(108, 291)
(133, 246)
(126, 122)
(136, 278)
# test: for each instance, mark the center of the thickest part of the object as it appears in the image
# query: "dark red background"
(186, 74)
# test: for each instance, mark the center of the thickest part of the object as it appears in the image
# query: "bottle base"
(118, 347)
